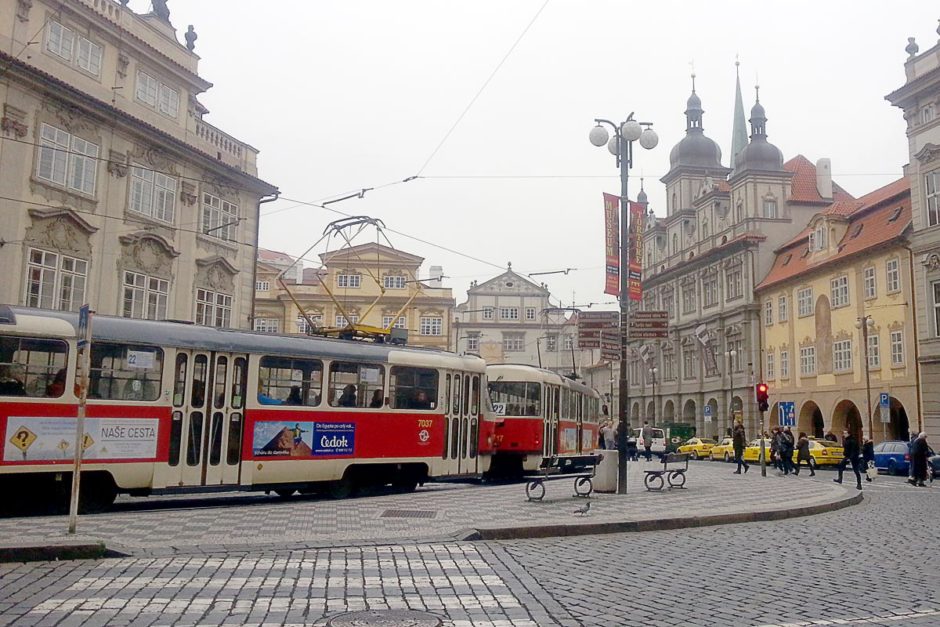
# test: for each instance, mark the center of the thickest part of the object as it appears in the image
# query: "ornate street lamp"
(621, 146)
(731, 354)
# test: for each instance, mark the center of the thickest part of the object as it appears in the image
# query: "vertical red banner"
(635, 243)
(612, 244)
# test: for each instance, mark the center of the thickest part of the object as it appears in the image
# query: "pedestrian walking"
(608, 440)
(739, 441)
(786, 455)
(868, 459)
(920, 451)
(774, 448)
(803, 455)
(647, 434)
(850, 455)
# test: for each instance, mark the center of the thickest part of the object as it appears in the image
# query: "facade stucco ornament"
(222, 187)
(157, 158)
(807, 341)
(188, 194)
(732, 330)
(842, 335)
(60, 229)
(216, 272)
(117, 164)
(148, 253)
(191, 38)
(123, 61)
(70, 118)
(14, 121)
(928, 153)
(931, 261)
(22, 9)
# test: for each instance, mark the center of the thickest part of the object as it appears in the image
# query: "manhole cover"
(408, 513)
(385, 618)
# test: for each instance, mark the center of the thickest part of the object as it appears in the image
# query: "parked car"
(659, 441)
(933, 463)
(724, 450)
(697, 448)
(823, 453)
(893, 457)
(752, 452)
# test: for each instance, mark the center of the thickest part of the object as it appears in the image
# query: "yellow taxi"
(752, 452)
(724, 450)
(823, 453)
(696, 448)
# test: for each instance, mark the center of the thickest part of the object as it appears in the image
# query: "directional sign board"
(593, 324)
(786, 411)
(649, 325)
(884, 405)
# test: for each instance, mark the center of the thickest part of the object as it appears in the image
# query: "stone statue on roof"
(161, 10)
(191, 38)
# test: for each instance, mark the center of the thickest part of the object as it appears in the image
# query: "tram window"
(564, 404)
(221, 372)
(32, 367)
(454, 437)
(239, 376)
(179, 379)
(519, 398)
(574, 405)
(215, 448)
(176, 437)
(465, 405)
(412, 388)
(474, 437)
(128, 372)
(197, 396)
(557, 404)
(194, 443)
(233, 450)
(455, 406)
(447, 395)
(356, 385)
(279, 376)
(475, 397)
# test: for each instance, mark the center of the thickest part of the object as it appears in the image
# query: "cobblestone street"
(855, 564)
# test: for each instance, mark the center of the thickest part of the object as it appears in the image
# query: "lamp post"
(731, 354)
(653, 372)
(863, 323)
(621, 146)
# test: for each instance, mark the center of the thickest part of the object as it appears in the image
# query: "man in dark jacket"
(850, 455)
(786, 453)
(919, 454)
(739, 441)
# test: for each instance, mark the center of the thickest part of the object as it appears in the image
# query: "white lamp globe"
(614, 145)
(649, 139)
(631, 130)
(598, 136)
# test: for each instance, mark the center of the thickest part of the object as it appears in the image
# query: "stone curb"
(662, 524)
(53, 552)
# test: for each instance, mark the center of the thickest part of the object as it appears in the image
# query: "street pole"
(83, 361)
(864, 323)
(621, 145)
(763, 448)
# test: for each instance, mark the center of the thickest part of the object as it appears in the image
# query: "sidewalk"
(437, 512)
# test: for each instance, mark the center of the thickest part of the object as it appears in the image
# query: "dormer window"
(817, 238)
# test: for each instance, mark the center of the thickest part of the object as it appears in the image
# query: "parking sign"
(884, 405)
(708, 413)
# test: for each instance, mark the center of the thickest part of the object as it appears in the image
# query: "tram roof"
(196, 337)
(525, 372)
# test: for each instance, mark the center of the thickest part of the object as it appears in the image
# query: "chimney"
(434, 280)
(824, 178)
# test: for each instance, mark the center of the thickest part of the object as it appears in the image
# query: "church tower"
(693, 159)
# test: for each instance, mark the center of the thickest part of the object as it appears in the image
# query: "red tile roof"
(875, 220)
(273, 255)
(803, 185)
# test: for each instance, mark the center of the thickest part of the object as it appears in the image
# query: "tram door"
(208, 417)
(550, 424)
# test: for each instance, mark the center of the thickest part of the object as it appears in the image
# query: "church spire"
(739, 126)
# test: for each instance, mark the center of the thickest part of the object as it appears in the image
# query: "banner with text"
(635, 249)
(612, 244)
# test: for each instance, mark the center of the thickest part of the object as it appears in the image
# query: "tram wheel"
(343, 488)
(405, 485)
(97, 494)
(285, 493)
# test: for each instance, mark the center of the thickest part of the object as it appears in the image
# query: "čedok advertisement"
(48, 439)
(285, 438)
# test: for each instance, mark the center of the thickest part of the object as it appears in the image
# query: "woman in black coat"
(919, 453)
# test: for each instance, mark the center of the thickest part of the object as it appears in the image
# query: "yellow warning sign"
(86, 442)
(63, 445)
(23, 438)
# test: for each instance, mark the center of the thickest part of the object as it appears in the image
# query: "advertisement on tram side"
(31, 438)
(286, 438)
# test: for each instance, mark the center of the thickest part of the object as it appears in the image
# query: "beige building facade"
(117, 190)
(371, 284)
(843, 282)
(919, 99)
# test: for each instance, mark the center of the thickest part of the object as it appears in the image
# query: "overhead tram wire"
(482, 88)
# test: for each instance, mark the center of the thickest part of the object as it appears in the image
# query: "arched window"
(770, 207)
(704, 229)
(675, 243)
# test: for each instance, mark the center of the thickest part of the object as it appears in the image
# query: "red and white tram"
(175, 407)
(538, 414)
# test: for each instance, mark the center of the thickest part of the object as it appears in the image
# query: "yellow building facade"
(370, 284)
(842, 283)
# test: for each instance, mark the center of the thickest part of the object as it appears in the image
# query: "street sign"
(708, 413)
(592, 325)
(650, 315)
(786, 411)
(884, 405)
(649, 325)
(610, 344)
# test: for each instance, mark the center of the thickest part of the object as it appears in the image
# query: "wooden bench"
(675, 465)
(581, 468)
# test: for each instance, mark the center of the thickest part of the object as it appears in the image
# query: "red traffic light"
(760, 393)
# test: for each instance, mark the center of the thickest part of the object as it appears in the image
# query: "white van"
(659, 441)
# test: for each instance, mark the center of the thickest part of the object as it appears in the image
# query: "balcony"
(225, 148)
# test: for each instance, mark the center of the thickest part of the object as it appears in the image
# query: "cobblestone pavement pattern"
(868, 564)
(447, 510)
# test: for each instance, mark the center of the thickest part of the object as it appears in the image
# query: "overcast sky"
(344, 94)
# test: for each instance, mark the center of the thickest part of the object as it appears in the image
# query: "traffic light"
(760, 392)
